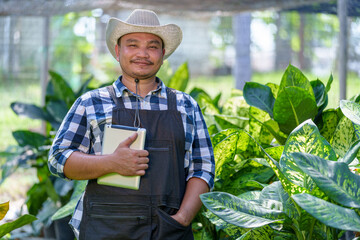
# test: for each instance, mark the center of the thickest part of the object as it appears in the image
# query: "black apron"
(119, 213)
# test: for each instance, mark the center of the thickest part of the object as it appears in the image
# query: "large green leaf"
(329, 214)
(328, 123)
(218, 137)
(240, 212)
(274, 196)
(351, 110)
(224, 153)
(228, 121)
(293, 106)
(320, 93)
(293, 77)
(28, 138)
(259, 96)
(236, 106)
(305, 138)
(343, 137)
(180, 78)
(334, 178)
(30, 110)
(61, 89)
(289, 187)
(256, 126)
(351, 153)
(22, 221)
(274, 129)
(69, 207)
(250, 174)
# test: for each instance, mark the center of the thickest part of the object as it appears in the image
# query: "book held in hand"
(113, 136)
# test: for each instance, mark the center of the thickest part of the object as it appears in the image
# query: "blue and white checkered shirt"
(80, 131)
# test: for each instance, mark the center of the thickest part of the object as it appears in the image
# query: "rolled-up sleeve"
(202, 163)
(73, 135)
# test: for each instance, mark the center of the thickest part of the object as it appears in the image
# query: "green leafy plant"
(315, 196)
(10, 226)
(45, 196)
(295, 100)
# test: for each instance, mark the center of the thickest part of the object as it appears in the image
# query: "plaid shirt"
(80, 131)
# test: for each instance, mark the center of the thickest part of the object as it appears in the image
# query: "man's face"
(140, 55)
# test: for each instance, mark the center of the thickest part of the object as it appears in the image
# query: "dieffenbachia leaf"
(343, 137)
(352, 111)
(330, 120)
(259, 96)
(305, 138)
(328, 213)
(289, 108)
(333, 178)
(275, 193)
(351, 153)
(240, 212)
(224, 153)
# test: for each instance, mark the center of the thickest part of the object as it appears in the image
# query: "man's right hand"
(127, 161)
(124, 160)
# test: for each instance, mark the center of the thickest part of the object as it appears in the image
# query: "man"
(177, 164)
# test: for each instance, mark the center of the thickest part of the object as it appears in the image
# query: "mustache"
(141, 60)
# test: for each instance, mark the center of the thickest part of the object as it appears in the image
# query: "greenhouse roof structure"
(60, 7)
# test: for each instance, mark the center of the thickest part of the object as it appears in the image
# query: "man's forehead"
(141, 35)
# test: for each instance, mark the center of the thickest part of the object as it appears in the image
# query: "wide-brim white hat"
(143, 21)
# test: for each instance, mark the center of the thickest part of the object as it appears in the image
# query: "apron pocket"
(169, 228)
(117, 221)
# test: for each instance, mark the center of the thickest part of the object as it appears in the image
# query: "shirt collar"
(120, 88)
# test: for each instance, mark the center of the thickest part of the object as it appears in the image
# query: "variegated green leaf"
(275, 152)
(329, 214)
(250, 174)
(351, 110)
(218, 137)
(235, 232)
(240, 212)
(274, 129)
(274, 88)
(224, 153)
(294, 77)
(305, 138)
(289, 110)
(275, 195)
(328, 124)
(333, 178)
(256, 118)
(236, 106)
(343, 137)
(228, 121)
(351, 153)
(288, 186)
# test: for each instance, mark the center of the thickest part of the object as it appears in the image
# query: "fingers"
(127, 142)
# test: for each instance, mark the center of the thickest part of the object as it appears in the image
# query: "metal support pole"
(45, 65)
(242, 70)
(343, 46)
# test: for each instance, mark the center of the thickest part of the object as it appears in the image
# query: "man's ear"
(117, 52)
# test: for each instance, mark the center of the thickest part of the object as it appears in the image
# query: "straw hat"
(143, 21)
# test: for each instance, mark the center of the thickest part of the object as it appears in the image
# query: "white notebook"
(113, 136)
